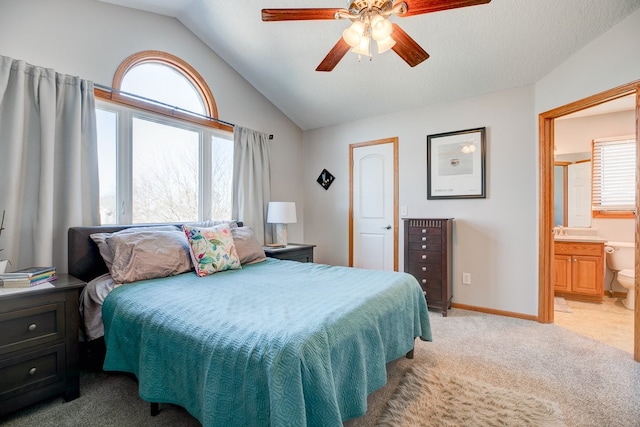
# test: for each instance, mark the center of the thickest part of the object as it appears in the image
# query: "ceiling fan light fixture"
(353, 34)
(385, 44)
(381, 28)
(363, 47)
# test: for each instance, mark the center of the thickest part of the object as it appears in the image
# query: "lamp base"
(281, 234)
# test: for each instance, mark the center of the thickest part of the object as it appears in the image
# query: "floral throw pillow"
(212, 249)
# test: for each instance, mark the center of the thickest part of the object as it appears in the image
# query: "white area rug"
(429, 398)
(560, 304)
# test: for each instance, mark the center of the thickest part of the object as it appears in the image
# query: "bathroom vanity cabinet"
(578, 270)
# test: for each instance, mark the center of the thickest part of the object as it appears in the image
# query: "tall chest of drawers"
(428, 256)
(39, 355)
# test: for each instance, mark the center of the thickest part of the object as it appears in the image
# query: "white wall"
(575, 135)
(90, 39)
(494, 238)
(610, 61)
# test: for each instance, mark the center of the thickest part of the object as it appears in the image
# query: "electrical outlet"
(466, 278)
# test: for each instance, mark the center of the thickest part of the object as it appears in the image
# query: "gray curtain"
(251, 180)
(48, 162)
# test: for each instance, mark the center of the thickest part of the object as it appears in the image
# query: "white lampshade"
(385, 44)
(353, 34)
(281, 213)
(363, 47)
(381, 28)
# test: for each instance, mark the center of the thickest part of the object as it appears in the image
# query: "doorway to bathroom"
(546, 216)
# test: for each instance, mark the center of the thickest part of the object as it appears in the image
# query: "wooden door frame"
(394, 141)
(545, 244)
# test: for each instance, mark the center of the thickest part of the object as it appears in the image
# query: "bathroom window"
(614, 177)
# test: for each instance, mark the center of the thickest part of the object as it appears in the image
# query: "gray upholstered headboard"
(85, 261)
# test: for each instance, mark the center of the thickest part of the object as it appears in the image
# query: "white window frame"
(596, 201)
(124, 160)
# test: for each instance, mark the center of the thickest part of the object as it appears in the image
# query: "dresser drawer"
(424, 271)
(32, 370)
(425, 234)
(32, 326)
(427, 245)
(424, 257)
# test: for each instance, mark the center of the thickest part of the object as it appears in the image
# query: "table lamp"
(281, 214)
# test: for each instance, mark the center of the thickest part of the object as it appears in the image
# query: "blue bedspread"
(277, 343)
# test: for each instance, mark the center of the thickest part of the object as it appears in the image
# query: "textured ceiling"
(473, 50)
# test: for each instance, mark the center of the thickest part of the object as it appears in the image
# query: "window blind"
(614, 175)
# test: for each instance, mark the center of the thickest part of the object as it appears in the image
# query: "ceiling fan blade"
(334, 56)
(418, 7)
(298, 14)
(407, 48)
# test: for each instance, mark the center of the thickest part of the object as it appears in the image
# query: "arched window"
(161, 156)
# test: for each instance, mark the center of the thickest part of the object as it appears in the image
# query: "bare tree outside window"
(221, 177)
(165, 173)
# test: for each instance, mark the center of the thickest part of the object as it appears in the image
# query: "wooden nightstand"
(39, 354)
(292, 252)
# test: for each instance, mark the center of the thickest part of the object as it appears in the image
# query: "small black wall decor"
(325, 179)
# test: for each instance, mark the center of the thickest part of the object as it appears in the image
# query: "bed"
(272, 342)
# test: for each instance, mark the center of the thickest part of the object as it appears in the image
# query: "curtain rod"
(173, 107)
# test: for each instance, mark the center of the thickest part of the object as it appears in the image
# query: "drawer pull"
(424, 230)
(424, 293)
(424, 268)
(32, 371)
(424, 246)
(32, 327)
(424, 239)
(424, 257)
(424, 281)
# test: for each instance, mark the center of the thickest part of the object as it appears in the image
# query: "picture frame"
(325, 179)
(456, 164)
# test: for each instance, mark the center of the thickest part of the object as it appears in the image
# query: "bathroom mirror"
(561, 183)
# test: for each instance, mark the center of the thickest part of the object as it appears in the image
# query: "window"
(614, 177)
(160, 158)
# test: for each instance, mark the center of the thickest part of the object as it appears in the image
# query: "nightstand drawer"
(32, 326)
(32, 370)
(292, 252)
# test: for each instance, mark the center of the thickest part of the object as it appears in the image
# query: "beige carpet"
(560, 304)
(428, 397)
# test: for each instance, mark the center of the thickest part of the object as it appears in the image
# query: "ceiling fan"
(370, 21)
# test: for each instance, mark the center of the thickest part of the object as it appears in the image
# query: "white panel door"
(373, 216)
(579, 195)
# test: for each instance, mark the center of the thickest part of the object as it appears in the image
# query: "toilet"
(621, 260)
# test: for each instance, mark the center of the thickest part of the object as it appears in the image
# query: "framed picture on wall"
(456, 164)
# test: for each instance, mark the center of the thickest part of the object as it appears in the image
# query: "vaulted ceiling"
(473, 50)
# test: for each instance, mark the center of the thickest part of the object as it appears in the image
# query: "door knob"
(388, 227)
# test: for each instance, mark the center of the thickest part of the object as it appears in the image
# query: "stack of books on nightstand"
(28, 277)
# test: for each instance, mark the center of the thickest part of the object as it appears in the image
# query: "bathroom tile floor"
(609, 322)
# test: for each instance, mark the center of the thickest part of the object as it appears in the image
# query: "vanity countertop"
(585, 239)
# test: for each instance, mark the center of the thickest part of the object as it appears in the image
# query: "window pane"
(107, 139)
(165, 173)
(163, 83)
(221, 177)
(614, 167)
